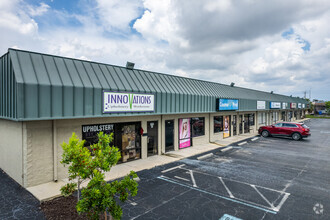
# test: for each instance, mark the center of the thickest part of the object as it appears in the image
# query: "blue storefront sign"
(227, 104)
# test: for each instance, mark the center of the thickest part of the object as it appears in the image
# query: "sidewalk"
(51, 190)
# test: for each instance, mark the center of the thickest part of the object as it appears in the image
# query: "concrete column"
(144, 141)
(160, 137)
(24, 155)
(231, 125)
(176, 134)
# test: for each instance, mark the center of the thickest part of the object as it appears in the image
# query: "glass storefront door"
(152, 127)
(234, 125)
(283, 116)
(169, 135)
(128, 139)
(246, 124)
(240, 124)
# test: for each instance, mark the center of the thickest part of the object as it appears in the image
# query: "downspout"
(54, 151)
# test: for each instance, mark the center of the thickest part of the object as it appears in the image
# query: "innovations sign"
(127, 102)
(261, 104)
(227, 104)
(275, 105)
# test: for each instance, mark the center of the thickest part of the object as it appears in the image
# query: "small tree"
(327, 107)
(90, 164)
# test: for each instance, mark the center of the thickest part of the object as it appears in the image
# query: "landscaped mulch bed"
(62, 208)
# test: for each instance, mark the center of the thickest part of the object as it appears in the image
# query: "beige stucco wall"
(39, 153)
(11, 159)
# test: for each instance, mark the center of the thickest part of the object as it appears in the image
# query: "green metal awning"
(38, 86)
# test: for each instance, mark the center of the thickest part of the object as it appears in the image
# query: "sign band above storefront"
(127, 102)
(275, 105)
(227, 104)
(261, 105)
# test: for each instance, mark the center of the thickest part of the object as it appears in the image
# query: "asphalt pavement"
(16, 202)
(264, 178)
(260, 178)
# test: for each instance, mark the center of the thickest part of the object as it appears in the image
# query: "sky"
(281, 46)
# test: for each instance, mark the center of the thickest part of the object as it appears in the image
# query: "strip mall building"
(45, 98)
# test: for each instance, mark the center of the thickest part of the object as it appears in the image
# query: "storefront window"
(259, 118)
(226, 126)
(89, 132)
(251, 119)
(218, 124)
(184, 133)
(197, 126)
(126, 137)
(130, 144)
(262, 118)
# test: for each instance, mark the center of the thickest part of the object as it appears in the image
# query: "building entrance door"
(152, 127)
(246, 124)
(234, 125)
(128, 139)
(169, 135)
(240, 123)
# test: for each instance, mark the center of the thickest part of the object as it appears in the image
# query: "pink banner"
(184, 133)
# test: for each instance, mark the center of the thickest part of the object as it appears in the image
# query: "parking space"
(264, 178)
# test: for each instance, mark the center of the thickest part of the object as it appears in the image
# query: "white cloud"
(117, 14)
(38, 11)
(14, 18)
(218, 40)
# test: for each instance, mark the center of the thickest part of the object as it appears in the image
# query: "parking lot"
(265, 178)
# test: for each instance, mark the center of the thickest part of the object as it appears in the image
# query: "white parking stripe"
(229, 192)
(254, 139)
(192, 178)
(285, 197)
(239, 201)
(173, 168)
(244, 142)
(237, 181)
(181, 178)
(262, 196)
